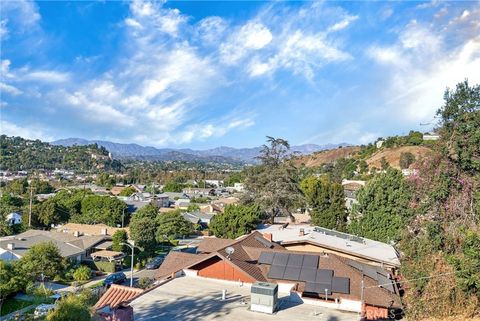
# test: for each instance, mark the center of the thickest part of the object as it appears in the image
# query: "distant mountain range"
(222, 154)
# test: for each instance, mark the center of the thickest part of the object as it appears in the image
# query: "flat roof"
(366, 248)
(196, 298)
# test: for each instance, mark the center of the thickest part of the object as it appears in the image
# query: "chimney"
(11, 246)
(76, 233)
(302, 232)
(268, 236)
(104, 231)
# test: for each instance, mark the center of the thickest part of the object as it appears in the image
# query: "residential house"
(322, 279)
(13, 218)
(75, 246)
(307, 238)
(224, 201)
(89, 229)
(351, 189)
(113, 304)
(431, 136)
(214, 182)
(198, 217)
(198, 192)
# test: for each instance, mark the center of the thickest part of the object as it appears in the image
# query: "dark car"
(115, 278)
(154, 263)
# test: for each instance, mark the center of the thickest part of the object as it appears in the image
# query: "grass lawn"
(11, 304)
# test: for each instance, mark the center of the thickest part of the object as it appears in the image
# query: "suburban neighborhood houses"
(239, 160)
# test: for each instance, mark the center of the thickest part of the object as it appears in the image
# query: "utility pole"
(30, 207)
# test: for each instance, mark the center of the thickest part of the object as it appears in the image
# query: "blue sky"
(203, 74)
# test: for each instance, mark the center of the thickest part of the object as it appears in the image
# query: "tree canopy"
(235, 221)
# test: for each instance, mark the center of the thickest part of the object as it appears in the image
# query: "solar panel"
(307, 274)
(280, 259)
(370, 272)
(321, 287)
(385, 283)
(356, 265)
(291, 273)
(324, 276)
(264, 242)
(266, 258)
(295, 260)
(310, 287)
(276, 272)
(310, 261)
(341, 285)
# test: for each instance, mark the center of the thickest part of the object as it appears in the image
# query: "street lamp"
(131, 270)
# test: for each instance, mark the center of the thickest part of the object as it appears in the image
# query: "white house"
(13, 218)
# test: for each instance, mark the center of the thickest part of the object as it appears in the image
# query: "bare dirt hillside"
(392, 155)
(327, 156)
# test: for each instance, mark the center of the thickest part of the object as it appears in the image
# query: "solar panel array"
(375, 273)
(304, 267)
(341, 235)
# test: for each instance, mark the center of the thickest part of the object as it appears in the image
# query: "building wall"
(306, 247)
(216, 268)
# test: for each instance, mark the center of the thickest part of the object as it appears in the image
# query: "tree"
(82, 273)
(383, 207)
(50, 212)
(101, 209)
(17, 187)
(42, 259)
(142, 231)
(41, 187)
(273, 185)
(193, 208)
(384, 163)
(10, 280)
(173, 225)
(414, 138)
(467, 264)
(149, 211)
(104, 179)
(70, 308)
(120, 236)
(460, 121)
(173, 186)
(406, 159)
(235, 221)
(127, 191)
(326, 201)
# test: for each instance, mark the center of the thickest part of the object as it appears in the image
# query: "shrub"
(83, 273)
(144, 283)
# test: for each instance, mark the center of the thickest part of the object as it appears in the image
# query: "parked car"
(115, 278)
(43, 309)
(155, 263)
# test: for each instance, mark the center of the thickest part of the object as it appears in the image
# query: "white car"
(43, 309)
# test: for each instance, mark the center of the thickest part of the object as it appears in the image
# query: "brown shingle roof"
(176, 261)
(89, 229)
(213, 244)
(116, 295)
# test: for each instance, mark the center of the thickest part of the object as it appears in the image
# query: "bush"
(83, 273)
(144, 283)
(105, 266)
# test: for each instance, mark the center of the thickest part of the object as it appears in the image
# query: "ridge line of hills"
(219, 154)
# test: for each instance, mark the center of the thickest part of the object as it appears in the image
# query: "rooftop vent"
(11, 246)
(104, 231)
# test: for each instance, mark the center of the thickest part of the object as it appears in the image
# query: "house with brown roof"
(320, 279)
(113, 304)
(89, 229)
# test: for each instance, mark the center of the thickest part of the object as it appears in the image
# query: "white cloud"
(352, 133)
(22, 15)
(250, 37)
(211, 29)
(47, 76)
(421, 66)
(30, 131)
(344, 23)
(9, 89)
(133, 23)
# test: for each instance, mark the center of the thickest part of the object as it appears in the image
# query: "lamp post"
(131, 269)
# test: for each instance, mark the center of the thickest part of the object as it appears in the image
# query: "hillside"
(327, 156)
(392, 155)
(17, 153)
(222, 154)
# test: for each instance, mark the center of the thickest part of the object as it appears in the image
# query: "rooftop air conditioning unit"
(264, 297)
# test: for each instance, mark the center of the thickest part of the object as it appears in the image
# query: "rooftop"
(175, 300)
(347, 243)
(116, 295)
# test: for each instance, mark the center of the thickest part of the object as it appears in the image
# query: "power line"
(411, 280)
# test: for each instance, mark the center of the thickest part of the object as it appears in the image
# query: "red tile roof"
(116, 295)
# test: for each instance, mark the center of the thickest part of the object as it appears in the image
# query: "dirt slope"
(327, 156)
(392, 155)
